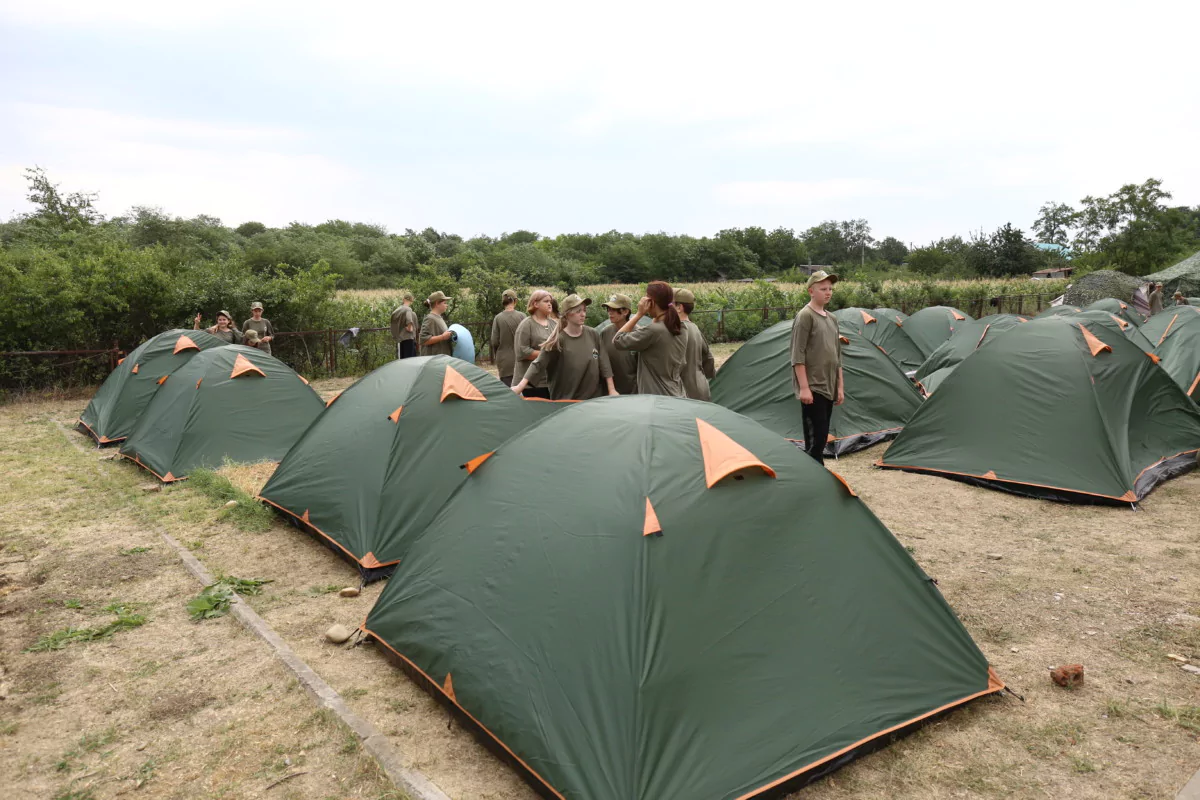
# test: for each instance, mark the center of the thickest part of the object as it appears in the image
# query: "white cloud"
(810, 194)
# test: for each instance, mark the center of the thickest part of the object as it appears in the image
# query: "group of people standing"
(255, 332)
(549, 352)
(1156, 298)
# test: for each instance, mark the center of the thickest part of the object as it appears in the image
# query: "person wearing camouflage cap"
(623, 362)
(260, 325)
(404, 327)
(573, 358)
(435, 333)
(700, 366)
(250, 338)
(817, 363)
(223, 330)
(504, 332)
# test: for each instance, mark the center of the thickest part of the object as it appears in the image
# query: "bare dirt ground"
(1037, 584)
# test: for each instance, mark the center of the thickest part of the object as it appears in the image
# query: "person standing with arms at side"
(573, 358)
(700, 367)
(504, 333)
(817, 363)
(1156, 299)
(404, 327)
(623, 362)
(531, 334)
(260, 325)
(435, 334)
(661, 346)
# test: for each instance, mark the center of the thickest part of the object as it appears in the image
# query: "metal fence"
(341, 352)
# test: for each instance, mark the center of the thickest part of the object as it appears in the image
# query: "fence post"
(114, 355)
(721, 325)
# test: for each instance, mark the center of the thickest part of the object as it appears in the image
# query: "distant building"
(1052, 273)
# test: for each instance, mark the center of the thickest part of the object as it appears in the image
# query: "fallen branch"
(285, 778)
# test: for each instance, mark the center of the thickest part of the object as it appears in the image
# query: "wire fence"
(342, 352)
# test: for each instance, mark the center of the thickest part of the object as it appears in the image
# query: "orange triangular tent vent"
(1120, 321)
(243, 366)
(1095, 345)
(844, 340)
(301, 377)
(121, 361)
(199, 382)
(989, 475)
(454, 383)
(162, 380)
(867, 318)
(1123, 306)
(371, 562)
(1156, 359)
(329, 402)
(185, 343)
(304, 516)
(650, 526)
(169, 477)
(395, 415)
(135, 366)
(476, 462)
(957, 315)
(448, 687)
(723, 456)
(1129, 497)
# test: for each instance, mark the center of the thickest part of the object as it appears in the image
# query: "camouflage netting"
(1099, 285)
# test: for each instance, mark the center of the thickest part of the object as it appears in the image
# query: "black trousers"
(506, 380)
(816, 417)
(408, 348)
(533, 391)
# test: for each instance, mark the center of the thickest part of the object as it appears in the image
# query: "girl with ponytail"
(661, 346)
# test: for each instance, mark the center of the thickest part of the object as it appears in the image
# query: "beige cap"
(684, 296)
(574, 301)
(619, 301)
(821, 275)
(407, 296)
(250, 336)
(437, 297)
(255, 305)
(226, 315)
(509, 294)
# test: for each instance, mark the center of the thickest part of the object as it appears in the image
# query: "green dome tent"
(969, 337)
(1176, 336)
(1117, 308)
(1095, 317)
(1105, 422)
(887, 333)
(757, 381)
(373, 470)
(891, 315)
(1058, 311)
(690, 608)
(232, 402)
(114, 410)
(929, 327)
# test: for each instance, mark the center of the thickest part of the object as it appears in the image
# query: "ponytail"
(426, 302)
(663, 296)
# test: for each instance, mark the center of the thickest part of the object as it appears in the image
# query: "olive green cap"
(618, 301)
(509, 294)
(225, 314)
(573, 301)
(255, 305)
(821, 275)
(684, 296)
(437, 297)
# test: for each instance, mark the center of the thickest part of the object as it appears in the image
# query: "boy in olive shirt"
(404, 327)
(504, 332)
(817, 363)
(261, 326)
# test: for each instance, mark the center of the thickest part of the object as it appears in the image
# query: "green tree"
(893, 251)
(55, 209)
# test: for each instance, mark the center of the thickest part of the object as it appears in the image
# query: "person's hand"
(643, 308)
(536, 353)
(197, 319)
(806, 397)
(265, 339)
(841, 397)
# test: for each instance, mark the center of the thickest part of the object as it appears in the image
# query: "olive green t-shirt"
(817, 345)
(530, 336)
(504, 334)
(661, 356)
(230, 336)
(402, 317)
(264, 328)
(576, 369)
(623, 362)
(434, 325)
(700, 366)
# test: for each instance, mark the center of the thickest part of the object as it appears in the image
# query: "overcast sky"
(928, 119)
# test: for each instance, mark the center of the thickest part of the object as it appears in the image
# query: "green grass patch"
(133, 551)
(248, 514)
(126, 619)
(1186, 717)
(317, 591)
(215, 599)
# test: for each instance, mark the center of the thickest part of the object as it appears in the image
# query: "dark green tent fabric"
(890, 314)
(885, 331)
(929, 327)
(1055, 311)
(1117, 308)
(232, 402)
(969, 337)
(1105, 422)
(1096, 317)
(669, 620)
(933, 380)
(114, 409)
(368, 479)
(1175, 334)
(757, 381)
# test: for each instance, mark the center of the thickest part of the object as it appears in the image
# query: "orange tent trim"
(162, 380)
(723, 456)
(453, 383)
(476, 462)
(469, 715)
(361, 561)
(1094, 344)
(1156, 359)
(329, 402)
(867, 318)
(957, 315)
(244, 366)
(184, 343)
(931, 470)
(650, 525)
(1195, 384)
(448, 687)
(120, 361)
(1170, 325)
(395, 415)
(844, 483)
(134, 371)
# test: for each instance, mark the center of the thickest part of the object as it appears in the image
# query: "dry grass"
(1109, 588)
